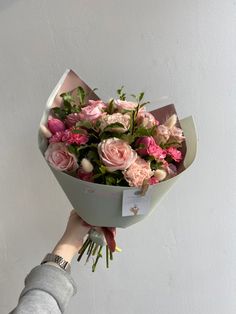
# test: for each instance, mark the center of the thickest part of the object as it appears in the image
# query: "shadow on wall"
(4, 4)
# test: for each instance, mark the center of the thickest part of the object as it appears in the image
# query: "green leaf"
(111, 107)
(140, 96)
(113, 126)
(71, 149)
(93, 155)
(85, 123)
(67, 97)
(110, 180)
(78, 131)
(59, 112)
(142, 131)
(127, 138)
(119, 90)
(81, 94)
(103, 169)
(121, 93)
(167, 145)
(144, 103)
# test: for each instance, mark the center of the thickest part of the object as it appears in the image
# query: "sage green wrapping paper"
(98, 204)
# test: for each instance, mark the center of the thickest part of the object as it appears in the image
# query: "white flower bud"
(45, 131)
(171, 121)
(160, 174)
(86, 165)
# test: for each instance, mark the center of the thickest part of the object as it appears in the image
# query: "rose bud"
(171, 121)
(85, 176)
(72, 119)
(86, 165)
(160, 174)
(45, 131)
(56, 125)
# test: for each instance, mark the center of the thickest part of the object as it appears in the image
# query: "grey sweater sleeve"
(48, 289)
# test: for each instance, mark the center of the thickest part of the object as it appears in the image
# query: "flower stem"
(83, 249)
(95, 249)
(111, 256)
(107, 256)
(96, 261)
(90, 251)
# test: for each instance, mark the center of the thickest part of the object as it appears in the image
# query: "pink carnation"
(116, 154)
(174, 153)
(153, 180)
(92, 111)
(149, 147)
(57, 137)
(75, 138)
(138, 171)
(146, 119)
(60, 158)
(123, 119)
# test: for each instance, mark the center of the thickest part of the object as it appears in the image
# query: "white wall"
(181, 260)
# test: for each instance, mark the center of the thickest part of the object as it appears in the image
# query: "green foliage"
(121, 93)
(86, 124)
(113, 126)
(78, 131)
(111, 107)
(142, 131)
(59, 113)
(72, 149)
(170, 144)
(81, 95)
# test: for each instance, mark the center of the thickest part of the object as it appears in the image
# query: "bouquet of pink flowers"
(114, 143)
(113, 159)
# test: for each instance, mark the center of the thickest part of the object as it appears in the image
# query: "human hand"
(72, 239)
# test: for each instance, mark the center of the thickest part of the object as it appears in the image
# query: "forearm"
(48, 286)
(48, 289)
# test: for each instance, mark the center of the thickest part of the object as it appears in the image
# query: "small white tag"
(135, 204)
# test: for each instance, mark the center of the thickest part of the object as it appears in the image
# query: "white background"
(181, 260)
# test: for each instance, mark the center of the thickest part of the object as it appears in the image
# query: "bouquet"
(115, 143)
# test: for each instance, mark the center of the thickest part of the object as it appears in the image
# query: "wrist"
(66, 251)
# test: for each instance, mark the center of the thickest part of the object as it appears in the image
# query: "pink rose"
(55, 125)
(162, 134)
(174, 153)
(124, 105)
(85, 176)
(108, 119)
(176, 135)
(97, 103)
(146, 119)
(116, 154)
(138, 171)
(60, 158)
(72, 119)
(92, 111)
(149, 147)
(75, 138)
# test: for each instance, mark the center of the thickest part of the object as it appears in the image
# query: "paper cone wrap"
(98, 204)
